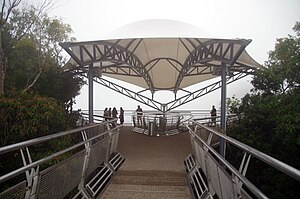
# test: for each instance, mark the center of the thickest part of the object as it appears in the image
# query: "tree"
(282, 68)
(34, 56)
(6, 9)
(24, 116)
(271, 118)
(232, 105)
(18, 24)
(63, 86)
(33, 24)
(37, 90)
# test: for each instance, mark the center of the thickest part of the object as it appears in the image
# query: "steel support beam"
(131, 94)
(204, 58)
(165, 107)
(223, 107)
(203, 91)
(102, 51)
(219, 50)
(91, 93)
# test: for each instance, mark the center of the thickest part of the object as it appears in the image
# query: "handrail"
(93, 137)
(38, 140)
(285, 168)
(47, 137)
(229, 116)
(47, 158)
(247, 183)
(277, 164)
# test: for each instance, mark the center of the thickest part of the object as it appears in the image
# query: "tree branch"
(12, 5)
(34, 81)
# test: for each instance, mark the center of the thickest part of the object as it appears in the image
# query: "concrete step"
(150, 178)
(116, 191)
(147, 185)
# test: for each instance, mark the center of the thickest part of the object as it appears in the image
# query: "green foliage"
(60, 85)
(32, 46)
(232, 105)
(24, 116)
(36, 25)
(23, 64)
(282, 68)
(271, 118)
(271, 124)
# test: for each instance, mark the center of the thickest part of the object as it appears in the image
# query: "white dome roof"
(157, 28)
(161, 54)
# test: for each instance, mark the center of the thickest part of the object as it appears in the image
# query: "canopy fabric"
(160, 55)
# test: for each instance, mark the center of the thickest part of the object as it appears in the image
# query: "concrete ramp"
(153, 167)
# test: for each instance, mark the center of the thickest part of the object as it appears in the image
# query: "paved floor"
(153, 167)
(164, 153)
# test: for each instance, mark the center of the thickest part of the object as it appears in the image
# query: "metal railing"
(155, 123)
(222, 178)
(196, 113)
(95, 145)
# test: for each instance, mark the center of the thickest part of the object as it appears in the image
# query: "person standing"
(139, 113)
(114, 112)
(109, 113)
(121, 116)
(105, 114)
(213, 114)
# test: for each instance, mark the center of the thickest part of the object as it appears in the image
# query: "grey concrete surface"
(153, 167)
(165, 153)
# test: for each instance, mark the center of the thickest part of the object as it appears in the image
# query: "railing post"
(86, 161)
(243, 169)
(32, 177)
(109, 144)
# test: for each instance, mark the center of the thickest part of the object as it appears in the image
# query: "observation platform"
(107, 160)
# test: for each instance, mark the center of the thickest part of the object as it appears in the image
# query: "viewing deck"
(110, 161)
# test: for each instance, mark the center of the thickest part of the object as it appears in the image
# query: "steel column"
(164, 108)
(91, 93)
(223, 107)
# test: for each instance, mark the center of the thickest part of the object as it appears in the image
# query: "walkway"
(153, 167)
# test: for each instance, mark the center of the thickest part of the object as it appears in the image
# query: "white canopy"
(161, 55)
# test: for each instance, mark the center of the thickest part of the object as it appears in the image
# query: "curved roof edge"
(157, 28)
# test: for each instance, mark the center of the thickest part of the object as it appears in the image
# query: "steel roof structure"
(161, 55)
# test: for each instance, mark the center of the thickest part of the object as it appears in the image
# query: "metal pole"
(91, 96)
(223, 107)
(163, 108)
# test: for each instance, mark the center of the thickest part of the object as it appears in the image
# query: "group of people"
(113, 113)
(110, 113)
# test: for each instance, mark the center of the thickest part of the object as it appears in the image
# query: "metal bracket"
(87, 146)
(32, 176)
(243, 169)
